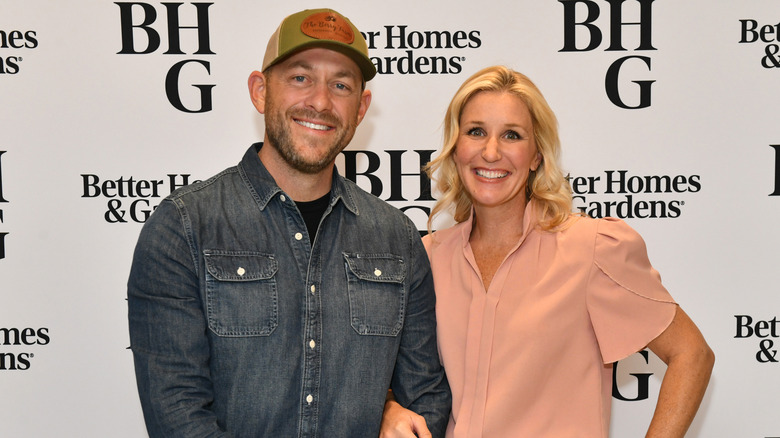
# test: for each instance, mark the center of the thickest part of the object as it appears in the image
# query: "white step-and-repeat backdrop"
(669, 119)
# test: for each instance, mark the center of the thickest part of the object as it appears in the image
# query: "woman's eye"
(477, 132)
(512, 135)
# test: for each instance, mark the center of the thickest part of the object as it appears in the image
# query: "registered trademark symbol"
(32, 355)
(20, 59)
(462, 58)
(682, 202)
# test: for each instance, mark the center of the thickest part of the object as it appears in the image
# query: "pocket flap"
(240, 265)
(377, 267)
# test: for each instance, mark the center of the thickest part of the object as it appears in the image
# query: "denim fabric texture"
(242, 327)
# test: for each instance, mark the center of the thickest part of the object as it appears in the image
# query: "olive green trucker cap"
(319, 28)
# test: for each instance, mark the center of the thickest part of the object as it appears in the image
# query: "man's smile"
(312, 125)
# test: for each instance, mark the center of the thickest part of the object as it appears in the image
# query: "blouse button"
(313, 289)
(298, 236)
(377, 272)
(241, 271)
(283, 198)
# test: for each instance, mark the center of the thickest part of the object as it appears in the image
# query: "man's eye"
(342, 89)
(299, 78)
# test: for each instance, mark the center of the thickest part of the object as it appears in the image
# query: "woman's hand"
(399, 422)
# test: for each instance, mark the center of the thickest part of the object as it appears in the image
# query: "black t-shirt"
(312, 212)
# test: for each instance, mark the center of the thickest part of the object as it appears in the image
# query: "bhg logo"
(766, 331)
(621, 194)
(130, 199)
(425, 52)
(2, 201)
(751, 31)
(389, 177)
(640, 380)
(582, 34)
(140, 38)
(776, 192)
(13, 339)
(16, 40)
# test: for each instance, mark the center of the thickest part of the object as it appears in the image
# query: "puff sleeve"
(627, 304)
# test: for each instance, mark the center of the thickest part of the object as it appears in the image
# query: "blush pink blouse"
(531, 356)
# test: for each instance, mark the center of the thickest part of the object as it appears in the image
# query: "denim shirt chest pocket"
(241, 294)
(377, 296)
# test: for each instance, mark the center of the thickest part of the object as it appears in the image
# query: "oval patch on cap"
(328, 26)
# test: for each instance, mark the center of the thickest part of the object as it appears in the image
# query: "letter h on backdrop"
(595, 37)
(153, 40)
(776, 147)
(2, 200)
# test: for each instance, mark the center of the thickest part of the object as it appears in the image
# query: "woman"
(534, 303)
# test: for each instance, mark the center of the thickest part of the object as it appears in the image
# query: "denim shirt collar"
(264, 187)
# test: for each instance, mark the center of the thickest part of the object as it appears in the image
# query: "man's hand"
(399, 422)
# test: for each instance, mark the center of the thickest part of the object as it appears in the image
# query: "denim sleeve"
(168, 331)
(419, 382)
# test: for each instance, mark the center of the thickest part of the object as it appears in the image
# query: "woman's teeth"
(491, 174)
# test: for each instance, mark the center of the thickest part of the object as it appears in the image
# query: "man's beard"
(280, 137)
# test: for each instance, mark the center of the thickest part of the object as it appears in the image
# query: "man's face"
(314, 101)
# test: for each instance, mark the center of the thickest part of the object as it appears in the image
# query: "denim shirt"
(240, 326)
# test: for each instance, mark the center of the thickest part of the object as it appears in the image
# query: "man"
(277, 298)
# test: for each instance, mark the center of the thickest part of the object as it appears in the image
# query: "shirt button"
(312, 344)
(377, 272)
(313, 289)
(283, 198)
(298, 236)
(241, 271)
(309, 399)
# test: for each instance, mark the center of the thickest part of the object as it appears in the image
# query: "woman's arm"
(689, 363)
(399, 422)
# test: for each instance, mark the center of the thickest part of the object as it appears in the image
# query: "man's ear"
(257, 89)
(365, 102)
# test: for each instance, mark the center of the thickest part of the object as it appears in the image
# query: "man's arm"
(168, 331)
(419, 382)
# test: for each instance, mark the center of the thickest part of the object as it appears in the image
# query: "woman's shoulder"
(602, 235)
(589, 226)
(444, 238)
(612, 241)
(577, 226)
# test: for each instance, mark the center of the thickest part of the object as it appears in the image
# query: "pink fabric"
(532, 356)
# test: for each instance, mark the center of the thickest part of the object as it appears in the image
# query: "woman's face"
(495, 149)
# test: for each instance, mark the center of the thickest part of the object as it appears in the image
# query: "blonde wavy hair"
(549, 187)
